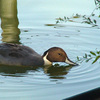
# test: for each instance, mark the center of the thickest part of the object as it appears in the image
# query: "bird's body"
(13, 54)
(19, 55)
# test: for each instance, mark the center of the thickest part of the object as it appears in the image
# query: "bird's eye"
(59, 53)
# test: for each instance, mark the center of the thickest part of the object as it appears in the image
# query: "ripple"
(87, 72)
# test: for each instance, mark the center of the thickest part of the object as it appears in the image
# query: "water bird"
(20, 55)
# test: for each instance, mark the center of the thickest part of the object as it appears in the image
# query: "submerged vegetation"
(92, 55)
(85, 19)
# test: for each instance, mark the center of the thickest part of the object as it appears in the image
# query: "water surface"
(55, 82)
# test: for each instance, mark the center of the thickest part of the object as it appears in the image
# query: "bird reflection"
(54, 71)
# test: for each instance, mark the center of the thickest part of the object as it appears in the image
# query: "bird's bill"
(68, 61)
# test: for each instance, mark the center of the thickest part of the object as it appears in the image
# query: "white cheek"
(46, 61)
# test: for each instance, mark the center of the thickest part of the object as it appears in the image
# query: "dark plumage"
(14, 54)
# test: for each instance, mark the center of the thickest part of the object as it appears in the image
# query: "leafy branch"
(97, 3)
(88, 57)
(86, 19)
(66, 19)
(90, 21)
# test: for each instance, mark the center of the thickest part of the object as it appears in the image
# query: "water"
(76, 39)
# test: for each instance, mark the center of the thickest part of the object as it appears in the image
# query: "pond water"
(55, 82)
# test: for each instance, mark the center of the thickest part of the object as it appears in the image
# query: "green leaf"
(89, 20)
(98, 52)
(92, 53)
(78, 58)
(89, 55)
(96, 59)
(93, 14)
(88, 59)
(85, 55)
(94, 21)
(65, 17)
(57, 22)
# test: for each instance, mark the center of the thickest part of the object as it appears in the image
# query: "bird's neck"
(46, 61)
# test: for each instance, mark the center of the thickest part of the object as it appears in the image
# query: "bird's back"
(19, 55)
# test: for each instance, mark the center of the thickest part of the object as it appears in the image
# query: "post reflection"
(9, 21)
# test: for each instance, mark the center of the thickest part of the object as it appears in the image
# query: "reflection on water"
(9, 21)
(54, 71)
